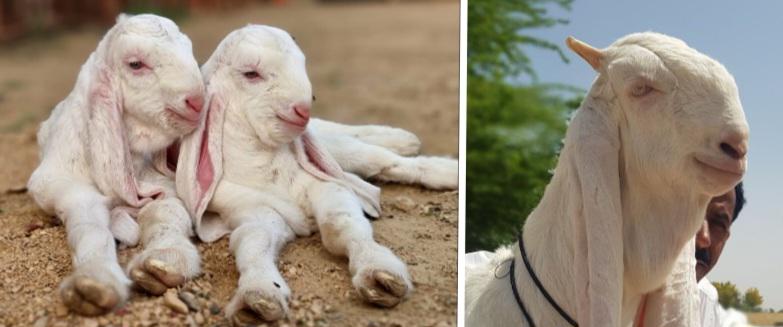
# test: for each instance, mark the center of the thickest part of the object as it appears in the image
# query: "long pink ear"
(314, 159)
(200, 164)
(594, 144)
(109, 152)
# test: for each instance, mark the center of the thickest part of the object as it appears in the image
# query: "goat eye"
(641, 90)
(135, 65)
(313, 98)
(251, 75)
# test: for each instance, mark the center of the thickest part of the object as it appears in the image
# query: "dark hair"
(739, 202)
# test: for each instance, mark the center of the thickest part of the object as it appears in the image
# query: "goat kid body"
(83, 143)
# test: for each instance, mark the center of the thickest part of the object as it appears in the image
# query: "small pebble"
(90, 323)
(214, 309)
(172, 301)
(404, 203)
(60, 310)
(41, 322)
(190, 300)
(199, 318)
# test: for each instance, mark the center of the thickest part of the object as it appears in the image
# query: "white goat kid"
(103, 161)
(660, 132)
(268, 174)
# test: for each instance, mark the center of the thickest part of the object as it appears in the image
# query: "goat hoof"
(89, 297)
(386, 291)
(259, 308)
(156, 276)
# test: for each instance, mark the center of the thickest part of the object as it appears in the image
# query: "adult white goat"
(660, 132)
(256, 163)
(103, 161)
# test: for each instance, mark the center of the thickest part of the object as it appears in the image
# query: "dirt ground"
(389, 63)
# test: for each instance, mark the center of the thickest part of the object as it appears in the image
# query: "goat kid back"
(103, 163)
(261, 174)
(660, 133)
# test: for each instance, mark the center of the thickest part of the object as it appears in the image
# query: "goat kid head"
(146, 71)
(261, 71)
(678, 112)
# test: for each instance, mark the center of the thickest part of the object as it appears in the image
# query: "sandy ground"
(395, 64)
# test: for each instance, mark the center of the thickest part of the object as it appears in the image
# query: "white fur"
(385, 154)
(271, 178)
(99, 151)
(618, 218)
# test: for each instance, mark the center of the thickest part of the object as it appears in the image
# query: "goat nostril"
(195, 103)
(731, 151)
(302, 111)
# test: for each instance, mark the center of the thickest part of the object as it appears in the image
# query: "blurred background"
(370, 62)
(522, 87)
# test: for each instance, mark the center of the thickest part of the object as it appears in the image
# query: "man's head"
(722, 211)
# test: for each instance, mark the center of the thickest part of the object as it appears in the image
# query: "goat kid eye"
(136, 65)
(251, 75)
(641, 90)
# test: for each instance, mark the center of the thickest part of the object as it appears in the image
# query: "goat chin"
(616, 222)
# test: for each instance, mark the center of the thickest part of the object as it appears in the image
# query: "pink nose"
(302, 110)
(735, 144)
(195, 102)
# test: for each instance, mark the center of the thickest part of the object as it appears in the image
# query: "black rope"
(513, 278)
(533, 276)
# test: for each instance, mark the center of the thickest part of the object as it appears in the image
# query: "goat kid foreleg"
(97, 284)
(169, 257)
(379, 276)
(257, 237)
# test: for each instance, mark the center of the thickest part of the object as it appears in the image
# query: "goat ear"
(594, 143)
(590, 54)
(200, 162)
(314, 159)
(108, 148)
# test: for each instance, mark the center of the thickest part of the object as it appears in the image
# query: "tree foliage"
(514, 131)
(730, 297)
(752, 300)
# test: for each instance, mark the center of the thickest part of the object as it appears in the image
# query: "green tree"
(728, 295)
(514, 131)
(752, 300)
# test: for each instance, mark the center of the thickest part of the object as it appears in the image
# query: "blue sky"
(748, 40)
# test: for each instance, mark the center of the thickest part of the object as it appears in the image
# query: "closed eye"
(641, 90)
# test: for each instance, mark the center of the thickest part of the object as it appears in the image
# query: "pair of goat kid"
(108, 171)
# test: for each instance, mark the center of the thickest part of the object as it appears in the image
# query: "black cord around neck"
(540, 286)
(522, 308)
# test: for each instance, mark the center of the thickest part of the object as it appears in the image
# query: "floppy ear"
(598, 228)
(314, 159)
(200, 166)
(109, 152)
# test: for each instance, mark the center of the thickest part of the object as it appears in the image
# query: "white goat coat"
(600, 239)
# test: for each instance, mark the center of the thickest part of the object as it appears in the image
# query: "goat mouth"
(189, 116)
(733, 168)
(295, 122)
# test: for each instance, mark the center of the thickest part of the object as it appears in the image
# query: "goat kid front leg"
(257, 237)
(97, 284)
(169, 257)
(379, 275)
